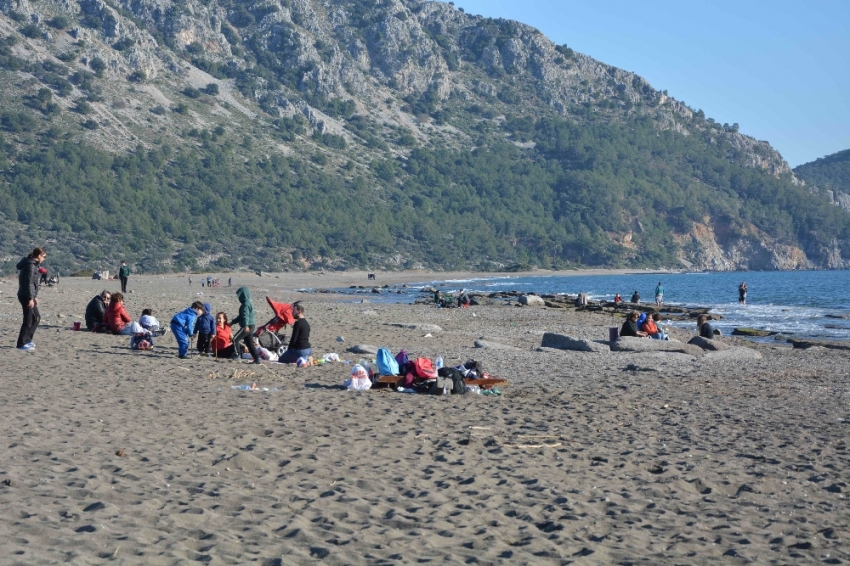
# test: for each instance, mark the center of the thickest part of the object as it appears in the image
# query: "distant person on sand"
(222, 342)
(636, 297)
(705, 328)
(659, 295)
(183, 326)
(246, 321)
(742, 293)
(28, 297)
(630, 327)
(618, 299)
(299, 344)
(96, 310)
(123, 275)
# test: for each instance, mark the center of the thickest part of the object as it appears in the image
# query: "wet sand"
(110, 455)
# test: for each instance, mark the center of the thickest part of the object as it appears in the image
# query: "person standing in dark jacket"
(28, 297)
(96, 310)
(123, 275)
(246, 321)
(299, 342)
(205, 329)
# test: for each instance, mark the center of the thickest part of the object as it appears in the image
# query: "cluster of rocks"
(707, 349)
(606, 307)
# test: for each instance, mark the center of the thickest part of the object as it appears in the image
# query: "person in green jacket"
(123, 275)
(246, 321)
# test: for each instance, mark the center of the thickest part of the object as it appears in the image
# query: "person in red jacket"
(117, 319)
(222, 340)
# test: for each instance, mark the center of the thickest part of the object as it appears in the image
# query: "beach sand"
(110, 455)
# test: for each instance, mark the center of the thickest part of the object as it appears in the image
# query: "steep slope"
(296, 133)
(831, 174)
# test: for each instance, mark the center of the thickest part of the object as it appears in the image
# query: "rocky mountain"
(286, 134)
(831, 175)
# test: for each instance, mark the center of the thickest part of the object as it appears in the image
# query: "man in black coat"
(96, 309)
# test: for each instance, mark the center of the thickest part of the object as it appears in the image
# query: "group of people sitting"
(449, 301)
(106, 313)
(642, 325)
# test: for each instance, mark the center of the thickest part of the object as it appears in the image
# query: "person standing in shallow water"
(742, 293)
(28, 297)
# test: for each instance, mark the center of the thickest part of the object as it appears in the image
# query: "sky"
(779, 68)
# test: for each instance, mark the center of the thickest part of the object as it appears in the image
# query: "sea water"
(801, 303)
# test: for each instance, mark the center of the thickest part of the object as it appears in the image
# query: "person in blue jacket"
(205, 329)
(183, 326)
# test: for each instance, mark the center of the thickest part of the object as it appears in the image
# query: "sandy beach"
(111, 455)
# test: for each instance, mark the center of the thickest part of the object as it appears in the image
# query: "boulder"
(554, 305)
(363, 349)
(714, 344)
(561, 342)
(732, 355)
(531, 301)
(802, 343)
(632, 344)
(752, 332)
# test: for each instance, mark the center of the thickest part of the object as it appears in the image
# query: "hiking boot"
(257, 361)
(26, 347)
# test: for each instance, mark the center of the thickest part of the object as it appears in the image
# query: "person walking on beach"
(28, 297)
(123, 275)
(659, 295)
(742, 293)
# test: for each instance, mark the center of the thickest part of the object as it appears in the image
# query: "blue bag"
(387, 365)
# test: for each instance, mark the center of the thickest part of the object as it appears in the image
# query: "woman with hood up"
(246, 321)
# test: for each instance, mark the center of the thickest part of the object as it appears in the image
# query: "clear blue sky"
(780, 69)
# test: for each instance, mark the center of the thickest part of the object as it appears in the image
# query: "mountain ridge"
(353, 93)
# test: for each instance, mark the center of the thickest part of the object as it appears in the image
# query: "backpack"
(387, 364)
(422, 367)
(451, 378)
(402, 360)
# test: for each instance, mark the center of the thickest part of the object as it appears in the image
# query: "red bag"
(422, 368)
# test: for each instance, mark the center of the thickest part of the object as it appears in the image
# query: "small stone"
(121, 453)
(340, 339)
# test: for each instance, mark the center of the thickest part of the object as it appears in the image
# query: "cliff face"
(720, 244)
(359, 81)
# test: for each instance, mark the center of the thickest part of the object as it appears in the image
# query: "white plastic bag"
(359, 380)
